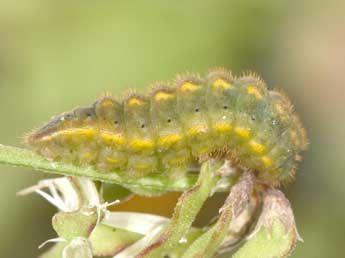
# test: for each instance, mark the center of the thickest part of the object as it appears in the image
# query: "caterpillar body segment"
(174, 127)
(171, 146)
(140, 136)
(112, 134)
(192, 110)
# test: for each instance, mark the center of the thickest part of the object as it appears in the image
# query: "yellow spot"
(159, 96)
(169, 139)
(135, 102)
(113, 138)
(188, 86)
(106, 103)
(222, 127)
(197, 129)
(257, 147)
(221, 84)
(267, 161)
(112, 160)
(242, 132)
(139, 144)
(253, 90)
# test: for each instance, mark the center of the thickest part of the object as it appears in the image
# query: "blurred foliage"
(55, 55)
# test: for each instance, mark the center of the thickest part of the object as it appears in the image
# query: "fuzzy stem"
(186, 210)
(238, 201)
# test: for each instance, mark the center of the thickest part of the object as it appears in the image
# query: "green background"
(55, 55)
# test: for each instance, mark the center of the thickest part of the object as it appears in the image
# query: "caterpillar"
(181, 124)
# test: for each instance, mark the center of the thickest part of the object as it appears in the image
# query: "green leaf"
(25, 158)
(150, 185)
(270, 242)
(70, 225)
(106, 240)
(111, 192)
(275, 234)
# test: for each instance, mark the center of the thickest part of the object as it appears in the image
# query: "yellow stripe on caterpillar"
(221, 84)
(257, 147)
(253, 90)
(141, 144)
(222, 127)
(161, 96)
(113, 138)
(134, 101)
(169, 139)
(106, 103)
(267, 161)
(113, 160)
(188, 86)
(88, 132)
(242, 132)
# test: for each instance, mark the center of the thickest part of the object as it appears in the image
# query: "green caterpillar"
(177, 126)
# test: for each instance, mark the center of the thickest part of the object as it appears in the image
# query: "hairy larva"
(176, 126)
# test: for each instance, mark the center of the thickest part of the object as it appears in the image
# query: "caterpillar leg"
(237, 203)
(186, 210)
